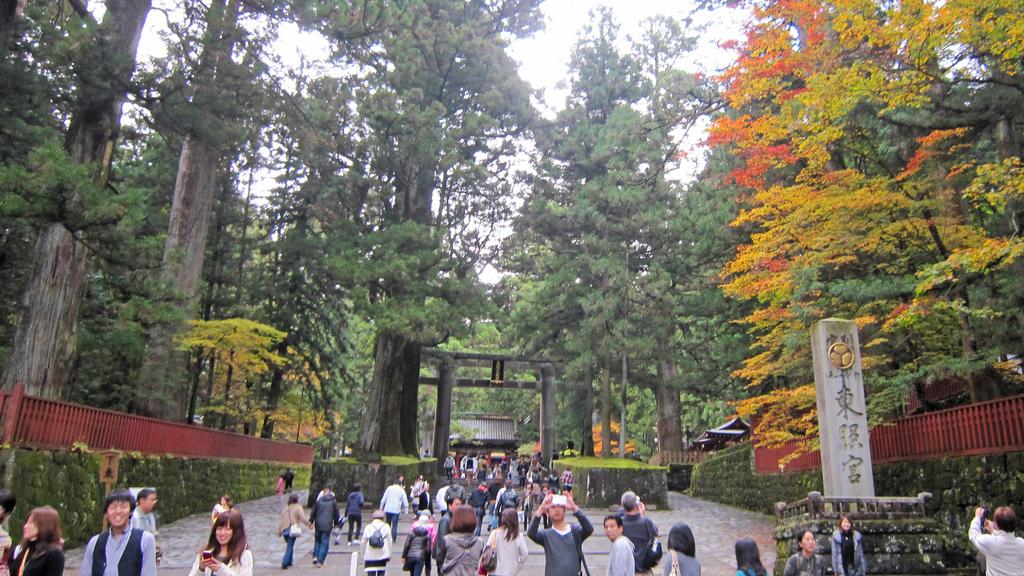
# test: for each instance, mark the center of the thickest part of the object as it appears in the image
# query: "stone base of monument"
(897, 535)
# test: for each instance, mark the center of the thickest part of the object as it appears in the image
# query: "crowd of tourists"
(526, 500)
(535, 505)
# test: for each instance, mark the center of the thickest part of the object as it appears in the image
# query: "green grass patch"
(390, 460)
(404, 460)
(616, 463)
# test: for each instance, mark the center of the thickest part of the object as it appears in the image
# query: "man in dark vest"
(122, 550)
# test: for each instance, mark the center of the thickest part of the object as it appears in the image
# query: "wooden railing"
(991, 427)
(32, 422)
(661, 458)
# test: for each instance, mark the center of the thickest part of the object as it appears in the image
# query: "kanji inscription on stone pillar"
(842, 410)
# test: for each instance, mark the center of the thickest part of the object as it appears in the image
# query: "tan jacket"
(291, 514)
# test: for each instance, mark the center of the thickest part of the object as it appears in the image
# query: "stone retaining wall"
(728, 477)
(680, 477)
(957, 486)
(891, 547)
(603, 487)
(69, 481)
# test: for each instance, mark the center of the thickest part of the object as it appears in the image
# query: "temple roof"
(486, 428)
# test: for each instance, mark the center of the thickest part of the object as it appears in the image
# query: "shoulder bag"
(578, 537)
(489, 557)
(652, 552)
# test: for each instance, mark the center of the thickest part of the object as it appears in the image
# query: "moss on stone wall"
(600, 482)
(728, 477)
(680, 476)
(957, 485)
(69, 481)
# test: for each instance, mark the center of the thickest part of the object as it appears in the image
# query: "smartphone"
(558, 500)
(985, 515)
(207, 555)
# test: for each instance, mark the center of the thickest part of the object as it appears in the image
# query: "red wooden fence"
(985, 428)
(50, 424)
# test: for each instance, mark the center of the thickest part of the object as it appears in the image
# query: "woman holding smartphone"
(40, 552)
(227, 552)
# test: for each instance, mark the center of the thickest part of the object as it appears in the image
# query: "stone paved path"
(715, 527)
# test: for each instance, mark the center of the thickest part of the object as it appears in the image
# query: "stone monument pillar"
(842, 410)
(898, 535)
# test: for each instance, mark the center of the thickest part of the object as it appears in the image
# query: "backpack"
(376, 540)
(567, 477)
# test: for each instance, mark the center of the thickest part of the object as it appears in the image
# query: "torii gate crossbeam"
(447, 362)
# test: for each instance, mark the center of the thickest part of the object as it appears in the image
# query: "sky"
(544, 58)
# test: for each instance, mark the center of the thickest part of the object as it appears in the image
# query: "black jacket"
(478, 499)
(49, 563)
(417, 544)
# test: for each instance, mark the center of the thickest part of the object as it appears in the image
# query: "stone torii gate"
(448, 362)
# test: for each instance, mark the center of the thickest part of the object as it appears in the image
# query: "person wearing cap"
(375, 560)
(562, 542)
(478, 502)
(425, 518)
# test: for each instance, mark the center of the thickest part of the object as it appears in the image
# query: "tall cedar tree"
(597, 237)
(219, 87)
(44, 341)
(443, 111)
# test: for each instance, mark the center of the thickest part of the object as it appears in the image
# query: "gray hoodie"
(460, 554)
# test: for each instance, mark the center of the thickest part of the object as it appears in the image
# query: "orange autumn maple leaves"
(849, 186)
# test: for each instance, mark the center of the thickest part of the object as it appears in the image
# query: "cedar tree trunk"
(666, 395)
(396, 362)
(185, 248)
(587, 424)
(43, 344)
